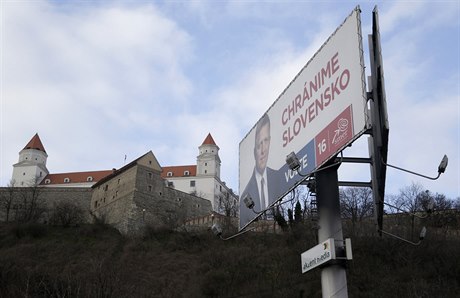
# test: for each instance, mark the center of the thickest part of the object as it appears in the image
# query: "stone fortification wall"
(129, 200)
(138, 197)
(159, 206)
(45, 200)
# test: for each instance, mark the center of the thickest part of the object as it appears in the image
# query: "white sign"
(322, 111)
(318, 255)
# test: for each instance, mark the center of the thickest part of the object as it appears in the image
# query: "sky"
(98, 80)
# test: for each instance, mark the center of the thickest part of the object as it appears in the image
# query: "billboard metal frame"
(378, 141)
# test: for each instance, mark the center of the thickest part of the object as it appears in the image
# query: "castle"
(140, 193)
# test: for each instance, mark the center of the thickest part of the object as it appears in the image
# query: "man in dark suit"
(263, 186)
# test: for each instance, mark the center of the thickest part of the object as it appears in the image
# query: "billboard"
(320, 112)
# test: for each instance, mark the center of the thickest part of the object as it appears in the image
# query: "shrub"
(66, 214)
(33, 230)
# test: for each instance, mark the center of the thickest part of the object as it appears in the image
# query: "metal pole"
(333, 277)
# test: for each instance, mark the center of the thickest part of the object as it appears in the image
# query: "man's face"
(262, 147)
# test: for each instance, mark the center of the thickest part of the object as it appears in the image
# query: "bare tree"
(356, 204)
(441, 202)
(457, 204)
(66, 213)
(411, 198)
(227, 204)
(298, 195)
(25, 202)
(31, 206)
(7, 198)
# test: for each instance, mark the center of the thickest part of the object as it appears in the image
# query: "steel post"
(333, 276)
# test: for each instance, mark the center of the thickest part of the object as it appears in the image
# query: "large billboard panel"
(321, 112)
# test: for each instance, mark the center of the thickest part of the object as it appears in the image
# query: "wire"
(237, 234)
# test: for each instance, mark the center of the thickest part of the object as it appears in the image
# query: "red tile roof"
(76, 177)
(209, 140)
(178, 171)
(35, 143)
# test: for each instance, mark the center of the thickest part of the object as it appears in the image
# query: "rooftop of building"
(75, 177)
(35, 143)
(178, 171)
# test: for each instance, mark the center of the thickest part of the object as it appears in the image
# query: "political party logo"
(341, 132)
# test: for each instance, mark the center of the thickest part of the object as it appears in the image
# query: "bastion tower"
(31, 167)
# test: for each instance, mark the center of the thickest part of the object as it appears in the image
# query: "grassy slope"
(96, 261)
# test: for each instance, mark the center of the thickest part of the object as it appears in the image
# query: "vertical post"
(333, 277)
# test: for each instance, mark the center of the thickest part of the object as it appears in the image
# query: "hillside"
(96, 261)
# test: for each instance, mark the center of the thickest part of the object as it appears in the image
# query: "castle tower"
(31, 168)
(208, 162)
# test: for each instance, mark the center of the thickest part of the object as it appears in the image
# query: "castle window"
(150, 175)
(23, 174)
(47, 181)
(169, 174)
(118, 181)
(150, 162)
(95, 204)
(106, 187)
(179, 199)
(186, 173)
(170, 184)
(205, 163)
(41, 174)
(192, 183)
(66, 180)
(205, 171)
(89, 179)
(150, 187)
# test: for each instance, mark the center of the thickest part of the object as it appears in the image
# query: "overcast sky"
(99, 80)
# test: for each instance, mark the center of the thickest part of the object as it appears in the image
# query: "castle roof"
(75, 177)
(209, 140)
(178, 171)
(35, 143)
(116, 172)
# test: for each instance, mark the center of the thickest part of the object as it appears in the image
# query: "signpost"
(318, 255)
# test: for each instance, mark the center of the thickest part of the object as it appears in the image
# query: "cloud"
(422, 94)
(88, 77)
(101, 80)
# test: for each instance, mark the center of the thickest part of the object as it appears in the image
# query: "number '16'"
(322, 146)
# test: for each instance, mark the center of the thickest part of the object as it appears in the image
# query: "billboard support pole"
(333, 276)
